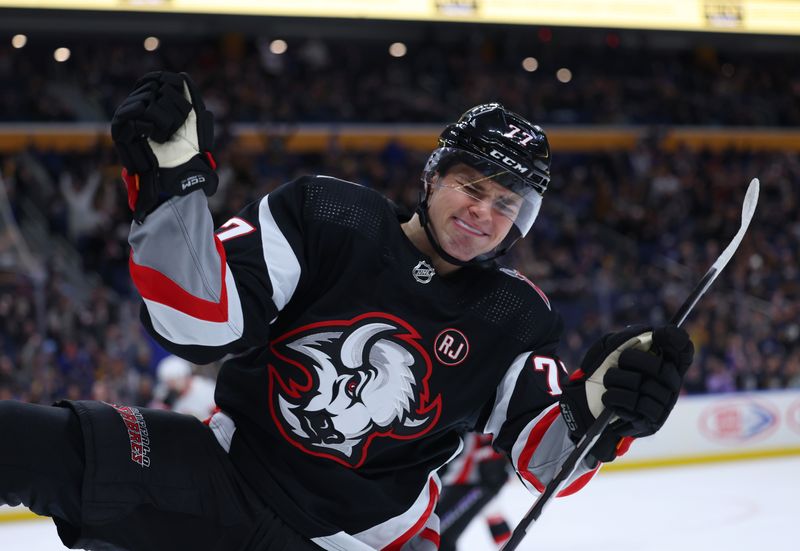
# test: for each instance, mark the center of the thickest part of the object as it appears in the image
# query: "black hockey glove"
(163, 134)
(637, 373)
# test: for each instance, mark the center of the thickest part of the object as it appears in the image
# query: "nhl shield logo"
(423, 272)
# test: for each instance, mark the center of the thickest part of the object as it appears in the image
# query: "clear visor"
(505, 192)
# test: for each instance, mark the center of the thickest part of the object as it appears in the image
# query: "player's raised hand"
(637, 373)
(163, 134)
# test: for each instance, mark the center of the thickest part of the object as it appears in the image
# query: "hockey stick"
(594, 432)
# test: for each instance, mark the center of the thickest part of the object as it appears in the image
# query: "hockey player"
(180, 390)
(469, 483)
(363, 347)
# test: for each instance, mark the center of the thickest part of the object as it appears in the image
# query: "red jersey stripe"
(155, 286)
(397, 544)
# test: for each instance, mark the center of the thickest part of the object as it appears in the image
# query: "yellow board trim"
(318, 138)
(699, 459)
(17, 515)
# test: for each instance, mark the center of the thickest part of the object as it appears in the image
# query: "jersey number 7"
(235, 227)
(551, 368)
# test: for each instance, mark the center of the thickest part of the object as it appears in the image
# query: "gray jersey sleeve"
(210, 293)
(180, 269)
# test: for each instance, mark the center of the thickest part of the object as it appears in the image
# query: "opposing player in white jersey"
(181, 390)
(364, 348)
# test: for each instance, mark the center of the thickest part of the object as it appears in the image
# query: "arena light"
(19, 40)
(564, 75)
(61, 54)
(278, 47)
(151, 43)
(398, 49)
(530, 64)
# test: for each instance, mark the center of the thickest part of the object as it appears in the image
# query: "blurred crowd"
(622, 238)
(251, 79)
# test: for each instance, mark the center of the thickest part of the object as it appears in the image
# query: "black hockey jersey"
(357, 368)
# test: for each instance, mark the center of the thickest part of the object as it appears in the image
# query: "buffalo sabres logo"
(337, 385)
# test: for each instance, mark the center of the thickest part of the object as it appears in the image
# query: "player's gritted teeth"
(469, 228)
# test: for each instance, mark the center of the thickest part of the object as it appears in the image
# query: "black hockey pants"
(132, 479)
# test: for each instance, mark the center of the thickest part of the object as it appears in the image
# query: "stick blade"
(750, 202)
(748, 210)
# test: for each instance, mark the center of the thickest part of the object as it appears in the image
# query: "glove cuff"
(147, 191)
(197, 173)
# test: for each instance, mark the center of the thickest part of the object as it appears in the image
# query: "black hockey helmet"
(504, 147)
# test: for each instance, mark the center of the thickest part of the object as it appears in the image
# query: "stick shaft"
(596, 429)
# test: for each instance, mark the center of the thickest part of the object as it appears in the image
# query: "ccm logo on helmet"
(508, 161)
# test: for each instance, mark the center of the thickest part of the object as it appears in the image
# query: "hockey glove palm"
(163, 134)
(637, 373)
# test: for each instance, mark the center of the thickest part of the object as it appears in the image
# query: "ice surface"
(742, 506)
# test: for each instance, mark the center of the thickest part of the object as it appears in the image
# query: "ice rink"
(741, 506)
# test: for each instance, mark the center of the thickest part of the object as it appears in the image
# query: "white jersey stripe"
(180, 328)
(282, 263)
(223, 428)
(504, 391)
(341, 541)
(384, 534)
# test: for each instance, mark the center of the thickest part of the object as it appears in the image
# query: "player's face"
(470, 213)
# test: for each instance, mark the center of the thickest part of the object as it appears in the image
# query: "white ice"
(742, 506)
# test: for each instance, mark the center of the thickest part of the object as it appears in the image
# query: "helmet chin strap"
(422, 210)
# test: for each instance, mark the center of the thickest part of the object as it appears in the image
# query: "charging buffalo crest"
(335, 386)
